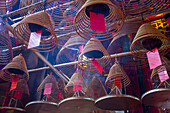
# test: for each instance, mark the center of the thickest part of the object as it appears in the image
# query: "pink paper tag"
(154, 58)
(77, 85)
(163, 75)
(81, 49)
(97, 65)
(97, 22)
(47, 89)
(34, 40)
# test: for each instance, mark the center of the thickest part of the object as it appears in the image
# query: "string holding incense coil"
(36, 22)
(114, 19)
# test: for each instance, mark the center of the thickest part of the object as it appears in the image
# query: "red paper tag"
(131, 37)
(113, 34)
(97, 65)
(47, 89)
(163, 75)
(35, 39)
(81, 49)
(77, 85)
(97, 22)
(154, 58)
(75, 64)
(14, 82)
(118, 81)
(18, 93)
(59, 94)
(17, 40)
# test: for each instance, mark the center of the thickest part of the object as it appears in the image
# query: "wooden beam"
(72, 63)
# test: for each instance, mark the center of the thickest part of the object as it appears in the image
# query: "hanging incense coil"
(36, 22)
(116, 72)
(93, 49)
(69, 53)
(66, 25)
(16, 66)
(128, 27)
(70, 84)
(22, 83)
(96, 89)
(49, 79)
(165, 67)
(6, 53)
(113, 16)
(136, 7)
(61, 86)
(148, 38)
(4, 4)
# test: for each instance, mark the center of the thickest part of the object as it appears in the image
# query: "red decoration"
(14, 82)
(77, 85)
(59, 94)
(18, 93)
(118, 81)
(168, 20)
(135, 4)
(97, 65)
(131, 37)
(97, 22)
